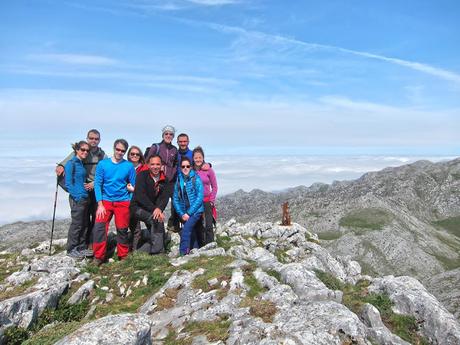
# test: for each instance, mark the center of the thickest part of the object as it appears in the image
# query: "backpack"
(61, 179)
(147, 151)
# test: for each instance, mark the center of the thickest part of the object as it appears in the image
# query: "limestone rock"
(410, 297)
(377, 330)
(306, 285)
(82, 292)
(119, 329)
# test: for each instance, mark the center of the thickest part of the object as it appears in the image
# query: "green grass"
(63, 313)
(366, 219)
(54, 333)
(17, 290)
(266, 310)
(215, 267)
(448, 263)
(405, 326)
(214, 331)
(274, 274)
(282, 256)
(456, 175)
(67, 318)
(329, 280)
(224, 242)
(254, 287)
(5, 271)
(452, 225)
(330, 235)
(15, 335)
(157, 269)
(172, 339)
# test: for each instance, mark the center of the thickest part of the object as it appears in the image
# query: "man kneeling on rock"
(150, 198)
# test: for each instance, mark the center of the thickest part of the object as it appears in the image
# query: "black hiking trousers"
(154, 244)
(78, 227)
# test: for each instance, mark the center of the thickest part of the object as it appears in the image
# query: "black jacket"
(149, 195)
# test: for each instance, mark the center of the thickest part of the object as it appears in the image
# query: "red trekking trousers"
(121, 211)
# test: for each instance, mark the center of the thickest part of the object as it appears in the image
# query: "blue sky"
(330, 77)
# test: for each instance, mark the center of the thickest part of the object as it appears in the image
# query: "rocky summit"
(401, 221)
(259, 283)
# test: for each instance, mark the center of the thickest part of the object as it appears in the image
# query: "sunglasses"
(84, 150)
(93, 138)
(185, 166)
(170, 134)
(135, 154)
(119, 150)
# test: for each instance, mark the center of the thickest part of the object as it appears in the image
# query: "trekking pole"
(54, 213)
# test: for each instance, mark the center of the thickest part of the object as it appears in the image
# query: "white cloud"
(30, 194)
(74, 59)
(176, 5)
(279, 40)
(213, 2)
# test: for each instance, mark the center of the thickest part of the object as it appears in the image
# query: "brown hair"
(141, 156)
(198, 149)
(77, 146)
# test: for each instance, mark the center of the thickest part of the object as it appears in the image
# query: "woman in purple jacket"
(208, 177)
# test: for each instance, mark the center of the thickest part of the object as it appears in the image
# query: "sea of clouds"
(28, 185)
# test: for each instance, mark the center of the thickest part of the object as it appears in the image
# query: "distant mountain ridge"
(403, 220)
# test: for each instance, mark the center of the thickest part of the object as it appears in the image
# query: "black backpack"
(147, 151)
(61, 179)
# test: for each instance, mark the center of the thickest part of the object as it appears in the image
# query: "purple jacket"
(168, 154)
(209, 180)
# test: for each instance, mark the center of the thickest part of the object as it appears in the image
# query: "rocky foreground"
(402, 221)
(260, 283)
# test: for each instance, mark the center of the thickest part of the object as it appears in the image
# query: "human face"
(168, 137)
(198, 159)
(119, 151)
(83, 151)
(185, 167)
(154, 165)
(134, 156)
(182, 142)
(93, 140)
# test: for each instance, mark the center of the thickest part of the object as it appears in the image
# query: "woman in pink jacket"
(208, 177)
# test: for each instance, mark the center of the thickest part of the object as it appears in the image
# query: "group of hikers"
(137, 190)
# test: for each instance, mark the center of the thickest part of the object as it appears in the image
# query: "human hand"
(158, 215)
(101, 212)
(185, 217)
(130, 187)
(89, 186)
(59, 170)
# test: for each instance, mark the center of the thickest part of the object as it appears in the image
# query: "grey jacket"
(89, 163)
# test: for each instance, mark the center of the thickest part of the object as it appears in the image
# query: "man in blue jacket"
(112, 196)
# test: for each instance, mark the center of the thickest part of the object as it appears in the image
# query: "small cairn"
(286, 220)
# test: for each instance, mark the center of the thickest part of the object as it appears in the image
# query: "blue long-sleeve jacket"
(111, 180)
(75, 177)
(194, 188)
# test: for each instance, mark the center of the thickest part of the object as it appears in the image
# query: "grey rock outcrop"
(410, 297)
(82, 292)
(377, 329)
(402, 204)
(276, 285)
(119, 329)
(53, 274)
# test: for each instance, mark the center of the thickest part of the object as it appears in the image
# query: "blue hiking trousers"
(186, 234)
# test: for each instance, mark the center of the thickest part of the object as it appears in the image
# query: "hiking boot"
(76, 254)
(88, 253)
